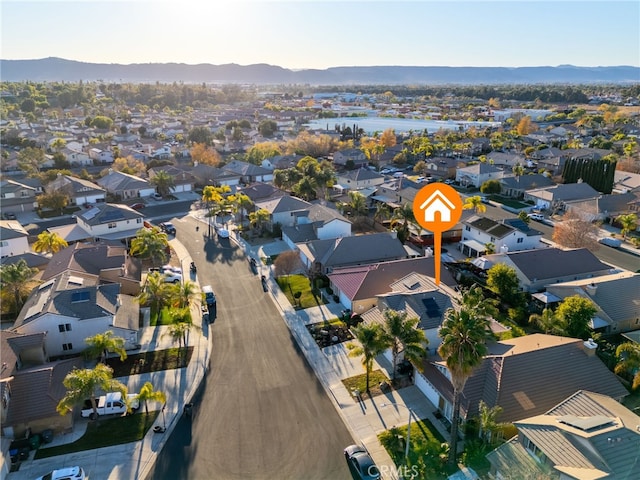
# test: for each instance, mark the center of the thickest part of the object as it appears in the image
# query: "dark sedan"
(361, 463)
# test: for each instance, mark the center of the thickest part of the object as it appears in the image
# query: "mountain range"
(57, 69)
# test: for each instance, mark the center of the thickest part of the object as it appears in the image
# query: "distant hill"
(58, 69)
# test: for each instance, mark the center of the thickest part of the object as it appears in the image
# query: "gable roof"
(100, 214)
(260, 191)
(529, 375)
(77, 185)
(490, 226)
(246, 169)
(565, 192)
(285, 203)
(11, 346)
(479, 169)
(118, 181)
(526, 182)
(11, 229)
(361, 174)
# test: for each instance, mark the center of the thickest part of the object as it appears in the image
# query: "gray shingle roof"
(283, 204)
(553, 262)
(526, 182)
(100, 214)
(116, 181)
(244, 168)
(11, 229)
(565, 192)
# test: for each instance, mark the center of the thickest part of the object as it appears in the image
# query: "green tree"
(49, 242)
(306, 188)
(372, 343)
(464, 334)
(261, 151)
(150, 243)
(28, 105)
(518, 170)
(148, 394)
(474, 203)
(56, 201)
(404, 336)
(488, 420)
(164, 183)
(31, 160)
(14, 278)
(155, 292)
(201, 135)
(382, 212)
(82, 384)
(102, 122)
(503, 281)
(628, 355)
(547, 321)
(491, 187)
(629, 223)
(357, 204)
(267, 128)
(184, 293)
(401, 218)
(522, 215)
(101, 344)
(576, 313)
(259, 219)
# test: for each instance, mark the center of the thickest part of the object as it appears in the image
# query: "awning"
(546, 297)
(474, 245)
(388, 200)
(597, 322)
(119, 235)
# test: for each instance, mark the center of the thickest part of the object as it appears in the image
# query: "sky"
(302, 34)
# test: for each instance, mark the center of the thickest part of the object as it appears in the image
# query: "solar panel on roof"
(433, 310)
(586, 423)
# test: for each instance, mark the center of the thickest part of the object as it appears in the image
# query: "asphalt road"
(261, 412)
(608, 255)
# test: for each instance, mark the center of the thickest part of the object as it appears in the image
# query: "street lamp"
(411, 414)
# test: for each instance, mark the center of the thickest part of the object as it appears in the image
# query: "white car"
(172, 277)
(538, 217)
(69, 473)
(170, 269)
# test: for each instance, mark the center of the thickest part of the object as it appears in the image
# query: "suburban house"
(441, 167)
(101, 156)
(508, 235)
(603, 207)
(183, 181)
(76, 157)
(284, 210)
(358, 287)
(359, 178)
(526, 376)
(418, 296)
(248, 172)
(72, 307)
(13, 239)
(587, 435)
(322, 256)
(208, 175)
(606, 292)
(16, 197)
(108, 263)
(516, 187)
(31, 386)
(624, 182)
(259, 192)
(124, 186)
(537, 269)
(281, 162)
(106, 221)
(556, 196)
(508, 160)
(80, 191)
(355, 155)
(316, 223)
(477, 174)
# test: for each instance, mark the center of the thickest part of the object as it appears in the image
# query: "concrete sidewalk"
(135, 460)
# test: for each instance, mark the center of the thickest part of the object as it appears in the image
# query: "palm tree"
(85, 383)
(357, 204)
(148, 394)
(518, 170)
(463, 334)
(243, 203)
(400, 220)
(155, 292)
(474, 203)
(165, 184)
(404, 336)
(629, 223)
(489, 248)
(150, 243)
(547, 321)
(372, 343)
(259, 219)
(14, 278)
(49, 242)
(183, 293)
(488, 421)
(306, 188)
(629, 361)
(382, 212)
(103, 343)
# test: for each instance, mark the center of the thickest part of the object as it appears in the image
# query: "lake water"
(400, 125)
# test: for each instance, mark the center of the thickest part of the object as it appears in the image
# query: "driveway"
(261, 412)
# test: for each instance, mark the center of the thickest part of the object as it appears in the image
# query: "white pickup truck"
(110, 404)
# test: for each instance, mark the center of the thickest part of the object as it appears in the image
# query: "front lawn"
(105, 433)
(291, 284)
(164, 318)
(152, 361)
(359, 382)
(509, 202)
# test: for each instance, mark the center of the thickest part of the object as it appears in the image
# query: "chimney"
(590, 347)
(591, 289)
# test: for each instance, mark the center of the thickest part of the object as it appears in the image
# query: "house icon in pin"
(437, 202)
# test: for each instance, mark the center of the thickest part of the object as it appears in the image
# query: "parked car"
(361, 463)
(398, 175)
(9, 216)
(170, 269)
(536, 216)
(156, 196)
(420, 179)
(610, 242)
(110, 404)
(172, 277)
(69, 473)
(168, 228)
(209, 296)
(138, 206)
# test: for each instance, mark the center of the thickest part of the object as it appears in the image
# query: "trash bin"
(34, 441)
(47, 436)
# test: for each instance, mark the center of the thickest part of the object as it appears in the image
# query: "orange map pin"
(437, 207)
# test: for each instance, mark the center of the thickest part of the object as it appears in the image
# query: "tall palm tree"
(14, 278)
(357, 204)
(404, 336)
(306, 188)
(243, 204)
(155, 292)
(629, 223)
(629, 361)
(148, 394)
(164, 183)
(463, 334)
(518, 170)
(382, 212)
(103, 343)
(474, 203)
(150, 243)
(488, 419)
(372, 343)
(49, 242)
(547, 321)
(259, 219)
(86, 383)
(183, 293)
(401, 218)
